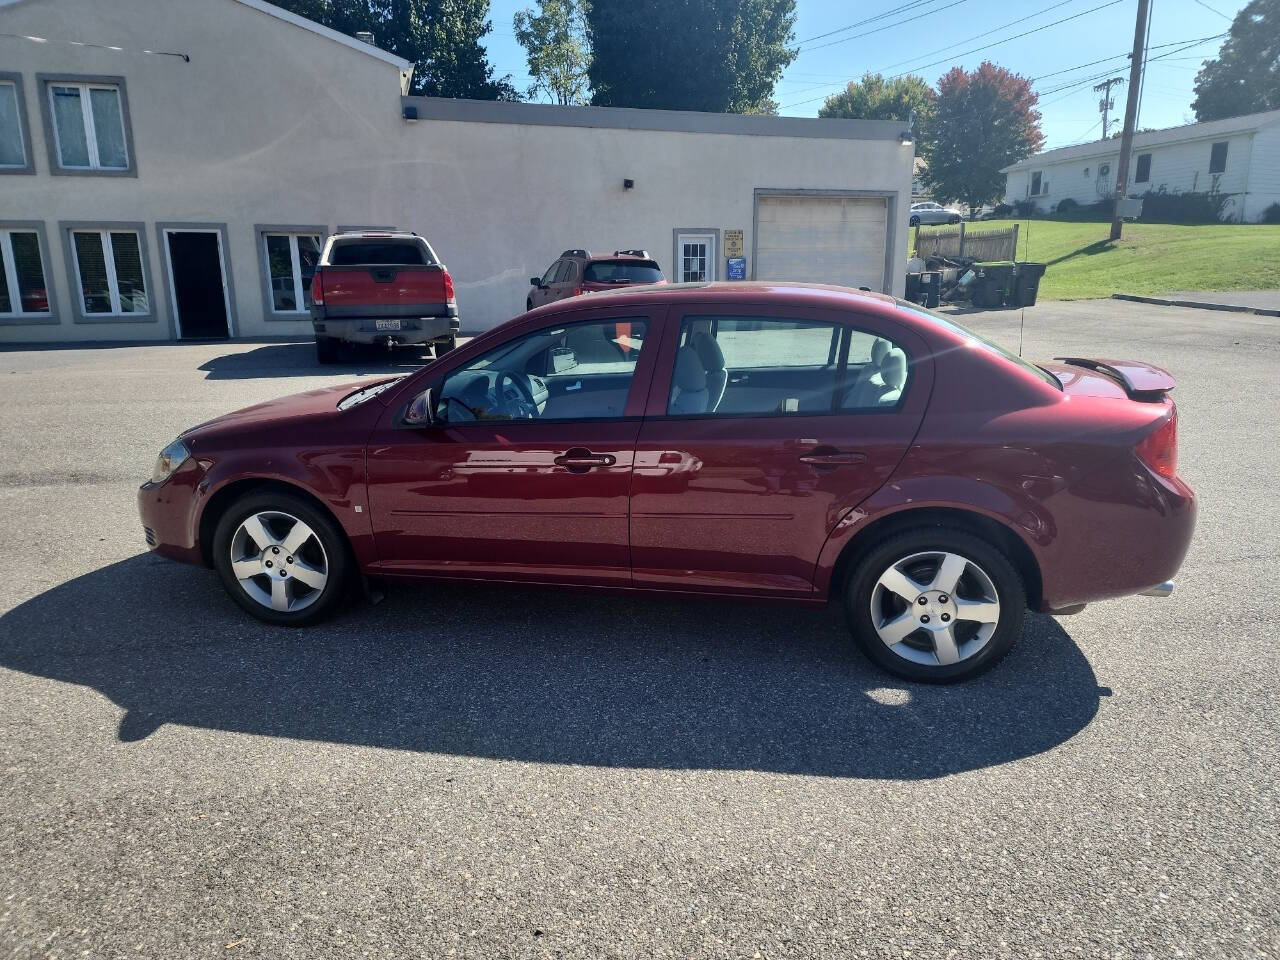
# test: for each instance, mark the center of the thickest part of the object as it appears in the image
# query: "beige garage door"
(822, 240)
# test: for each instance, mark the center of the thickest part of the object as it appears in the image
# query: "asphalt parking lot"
(476, 772)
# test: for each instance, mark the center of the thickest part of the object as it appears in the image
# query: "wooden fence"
(954, 242)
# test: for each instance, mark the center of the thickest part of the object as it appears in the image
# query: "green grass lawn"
(1150, 259)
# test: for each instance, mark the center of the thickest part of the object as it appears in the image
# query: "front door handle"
(580, 460)
(833, 458)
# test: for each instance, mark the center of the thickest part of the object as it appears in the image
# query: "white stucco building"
(168, 170)
(1239, 157)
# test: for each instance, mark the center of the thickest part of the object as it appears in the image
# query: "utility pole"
(1106, 103)
(1130, 115)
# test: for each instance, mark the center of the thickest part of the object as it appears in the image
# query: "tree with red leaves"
(983, 120)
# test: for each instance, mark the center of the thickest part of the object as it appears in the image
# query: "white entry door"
(822, 239)
(695, 257)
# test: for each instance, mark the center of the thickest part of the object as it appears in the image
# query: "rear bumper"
(411, 329)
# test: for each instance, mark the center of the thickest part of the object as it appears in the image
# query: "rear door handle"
(834, 458)
(580, 460)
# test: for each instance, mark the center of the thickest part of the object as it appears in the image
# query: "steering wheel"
(515, 398)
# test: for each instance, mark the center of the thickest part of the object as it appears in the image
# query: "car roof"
(376, 235)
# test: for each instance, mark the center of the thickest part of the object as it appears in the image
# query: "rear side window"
(381, 253)
(622, 271)
(759, 366)
(567, 269)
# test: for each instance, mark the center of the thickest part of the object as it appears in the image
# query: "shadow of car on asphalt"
(274, 360)
(544, 676)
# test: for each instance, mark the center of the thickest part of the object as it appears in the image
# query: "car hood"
(284, 414)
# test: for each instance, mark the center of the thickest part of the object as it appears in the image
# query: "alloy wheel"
(279, 561)
(935, 608)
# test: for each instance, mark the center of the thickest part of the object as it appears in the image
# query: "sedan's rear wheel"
(281, 559)
(935, 604)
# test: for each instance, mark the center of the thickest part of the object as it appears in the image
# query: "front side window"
(13, 148)
(291, 263)
(580, 371)
(88, 126)
(23, 290)
(1218, 158)
(109, 272)
(549, 277)
(1143, 173)
(754, 366)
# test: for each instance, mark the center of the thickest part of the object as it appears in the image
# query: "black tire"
(336, 555)
(859, 594)
(954, 219)
(446, 346)
(914, 221)
(326, 350)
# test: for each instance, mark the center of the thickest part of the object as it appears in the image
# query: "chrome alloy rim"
(279, 561)
(935, 608)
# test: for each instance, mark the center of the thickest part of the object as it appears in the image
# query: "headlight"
(171, 458)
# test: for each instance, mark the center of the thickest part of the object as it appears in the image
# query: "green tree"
(440, 37)
(1245, 78)
(982, 121)
(712, 55)
(876, 98)
(556, 45)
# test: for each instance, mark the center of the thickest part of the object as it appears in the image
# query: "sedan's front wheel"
(935, 604)
(281, 559)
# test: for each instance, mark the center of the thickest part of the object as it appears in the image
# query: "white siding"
(1264, 172)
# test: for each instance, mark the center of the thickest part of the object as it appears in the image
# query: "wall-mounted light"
(908, 135)
(628, 184)
(410, 114)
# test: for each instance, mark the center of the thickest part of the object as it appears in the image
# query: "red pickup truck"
(381, 288)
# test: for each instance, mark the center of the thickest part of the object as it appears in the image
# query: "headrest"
(894, 369)
(709, 351)
(878, 350)
(690, 376)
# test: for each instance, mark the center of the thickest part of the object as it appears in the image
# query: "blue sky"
(1070, 113)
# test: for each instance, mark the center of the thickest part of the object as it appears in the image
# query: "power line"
(887, 26)
(861, 23)
(1211, 10)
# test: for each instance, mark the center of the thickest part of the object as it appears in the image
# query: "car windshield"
(379, 253)
(622, 271)
(938, 318)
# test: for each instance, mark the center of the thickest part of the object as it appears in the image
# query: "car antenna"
(1026, 256)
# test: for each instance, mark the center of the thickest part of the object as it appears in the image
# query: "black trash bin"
(1028, 287)
(930, 288)
(993, 286)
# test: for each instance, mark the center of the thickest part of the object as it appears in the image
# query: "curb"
(1197, 304)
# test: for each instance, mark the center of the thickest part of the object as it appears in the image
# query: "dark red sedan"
(791, 442)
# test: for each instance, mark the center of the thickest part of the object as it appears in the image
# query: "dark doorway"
(196, 267)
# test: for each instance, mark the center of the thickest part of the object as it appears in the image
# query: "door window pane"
(580, 371)
(549, 277)
(33, 295)
(128, 263)
(68, 120)
(693, 262)
(95, 290)
(280, 266)
(108, 126)
(13, 152)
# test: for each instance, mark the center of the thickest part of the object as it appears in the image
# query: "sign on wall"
(737, 268)
(733, 243)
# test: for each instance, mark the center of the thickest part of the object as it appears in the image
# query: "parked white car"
(930, 212)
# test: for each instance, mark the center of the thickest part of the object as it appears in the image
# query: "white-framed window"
(24, 291)
(291, 260)
(88, 124)
(109, 275)
(13, 141)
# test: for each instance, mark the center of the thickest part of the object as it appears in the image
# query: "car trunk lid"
(384, 290)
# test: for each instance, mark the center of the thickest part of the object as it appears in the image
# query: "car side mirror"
(536, 281)
(419, 413)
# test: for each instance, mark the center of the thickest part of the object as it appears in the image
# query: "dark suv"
(578, 271)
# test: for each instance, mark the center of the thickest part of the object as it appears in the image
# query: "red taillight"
(448, 287)
(577, 292)
(1159, 449)
(317, 288)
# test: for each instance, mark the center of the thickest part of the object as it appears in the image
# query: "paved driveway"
(489, 773)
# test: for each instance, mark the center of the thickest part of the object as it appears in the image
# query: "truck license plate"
(386, 324)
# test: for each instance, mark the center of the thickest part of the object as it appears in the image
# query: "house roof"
(1151, 138)
(368, 49)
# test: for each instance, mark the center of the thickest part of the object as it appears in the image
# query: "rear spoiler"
(1141, 381)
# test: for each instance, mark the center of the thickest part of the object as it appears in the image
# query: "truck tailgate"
(384, 291)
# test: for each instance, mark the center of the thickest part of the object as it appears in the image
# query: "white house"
(168, 170)
(1239, 157)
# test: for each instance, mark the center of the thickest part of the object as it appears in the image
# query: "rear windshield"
(1040, 372)
(622, 271)
(388, 253)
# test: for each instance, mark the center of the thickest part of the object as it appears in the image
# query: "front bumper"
(169, 514)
